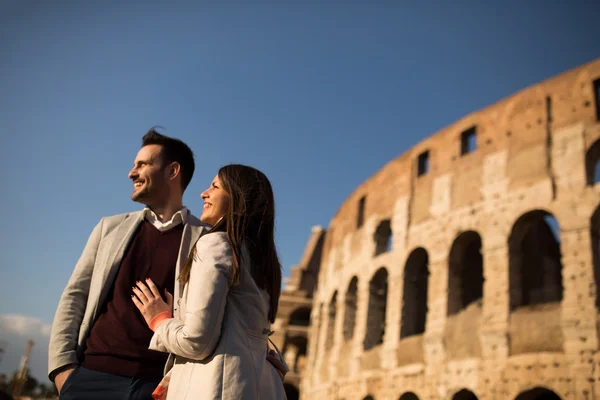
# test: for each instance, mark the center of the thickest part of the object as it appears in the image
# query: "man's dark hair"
(173, 150)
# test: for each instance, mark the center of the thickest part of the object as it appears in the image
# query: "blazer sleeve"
(197, 337)
(69, 314)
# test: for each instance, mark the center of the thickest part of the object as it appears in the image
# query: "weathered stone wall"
(292, 325)
(536, 324)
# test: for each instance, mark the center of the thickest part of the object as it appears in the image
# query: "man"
(99, 341)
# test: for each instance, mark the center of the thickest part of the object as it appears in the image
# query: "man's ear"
(174, 170)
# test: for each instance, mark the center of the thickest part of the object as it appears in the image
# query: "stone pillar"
(361, 325)
(338, 334)
(324, 350)
(437, 300)
(493, 328)
(579, 315)
(392, 321)
(280, 328)
(316, 343)
(290, 356)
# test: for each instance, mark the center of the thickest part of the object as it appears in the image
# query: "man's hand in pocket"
(61, 377)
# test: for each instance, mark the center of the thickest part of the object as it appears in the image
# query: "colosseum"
(466, 268)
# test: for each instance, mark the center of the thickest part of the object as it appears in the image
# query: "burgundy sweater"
(119, 339)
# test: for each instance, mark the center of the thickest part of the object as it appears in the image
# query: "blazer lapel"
(121, 239)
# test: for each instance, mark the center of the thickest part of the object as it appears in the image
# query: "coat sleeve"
(197, 335)
(71, 306)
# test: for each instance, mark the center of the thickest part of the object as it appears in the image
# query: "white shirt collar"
(180, 217)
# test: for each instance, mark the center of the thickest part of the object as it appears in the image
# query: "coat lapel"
(191, 233)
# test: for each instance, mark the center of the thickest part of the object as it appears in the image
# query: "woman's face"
(216, 202)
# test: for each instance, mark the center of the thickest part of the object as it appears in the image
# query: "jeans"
(85, 384)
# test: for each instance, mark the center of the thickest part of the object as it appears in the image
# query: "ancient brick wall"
(468, 266)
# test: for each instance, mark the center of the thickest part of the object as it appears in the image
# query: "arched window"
(378, 287)
(595, 238)
(592, 164)
(538, 393)
(294, 352)
(300, 317)
(383, 237)
(414, 298)
(408, 396)
(350, 309)
(535, 260)
(332, 311)
(291, 391)
(465, 277)
(464, 394)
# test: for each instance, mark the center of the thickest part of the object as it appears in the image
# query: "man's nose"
(132, 174)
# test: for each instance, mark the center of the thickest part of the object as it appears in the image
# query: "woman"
(232, 283)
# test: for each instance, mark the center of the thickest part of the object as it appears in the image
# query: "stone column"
(316, 342)
(579, 315)
(392, 321)
(338, 334)
(437, 300)
(494, 322)
(324, 350)
(361, 325)
(290, 355)
(493, 331)
(279, 336)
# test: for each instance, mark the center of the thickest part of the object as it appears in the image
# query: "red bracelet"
(159, 319)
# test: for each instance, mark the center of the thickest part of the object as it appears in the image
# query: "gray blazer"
(92, 279)
(219, 335)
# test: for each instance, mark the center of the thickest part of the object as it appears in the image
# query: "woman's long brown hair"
(250, 220)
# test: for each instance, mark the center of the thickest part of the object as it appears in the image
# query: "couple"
(163, 305)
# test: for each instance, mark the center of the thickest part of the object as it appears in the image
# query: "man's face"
(148, 175)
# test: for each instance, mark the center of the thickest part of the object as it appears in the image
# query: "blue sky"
(317, 96)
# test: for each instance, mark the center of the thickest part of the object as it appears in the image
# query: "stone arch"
(369, 398)
(535, 265)
(294, 352)
(383, 237)
(464, 394)
(414, 297)
(538, 393)
(350, 308)
(300, 317)
(408, 396)
(291, 391)
(595, 244)
(378, 288)
(465, 272)
(592, 163)
(331, 314)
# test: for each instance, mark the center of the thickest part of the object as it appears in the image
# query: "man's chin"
(138, 197)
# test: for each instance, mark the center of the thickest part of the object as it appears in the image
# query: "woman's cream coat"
(219, 335)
